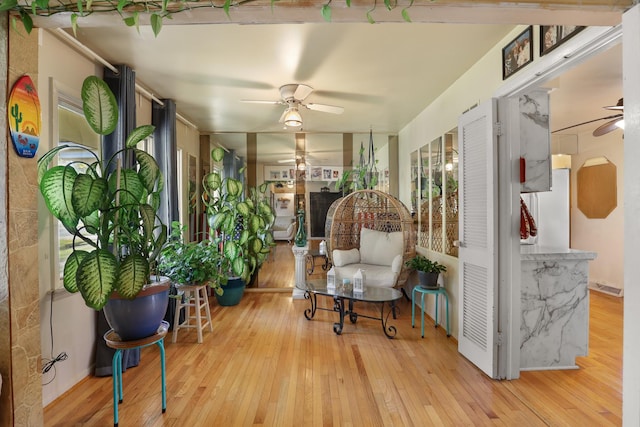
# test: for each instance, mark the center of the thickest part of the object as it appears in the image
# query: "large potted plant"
(239, 226)
(112, 208)
(428, 271)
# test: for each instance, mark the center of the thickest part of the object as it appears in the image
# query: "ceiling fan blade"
(287, 161)
(615, 116)
(618, 106)
(302, 91)
(607, 127)
(258, 101)
(325, 108)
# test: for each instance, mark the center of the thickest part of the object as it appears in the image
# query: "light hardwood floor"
(265, 364)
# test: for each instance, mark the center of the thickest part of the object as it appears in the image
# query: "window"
(73, 131)
(436, 182)
(146, 145)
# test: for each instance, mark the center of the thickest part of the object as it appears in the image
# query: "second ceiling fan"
(293, 96)
(616, 121)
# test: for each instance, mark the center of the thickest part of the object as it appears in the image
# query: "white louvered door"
(477, 255)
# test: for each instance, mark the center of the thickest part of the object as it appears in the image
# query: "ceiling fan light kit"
(292, 96)
(292, 117)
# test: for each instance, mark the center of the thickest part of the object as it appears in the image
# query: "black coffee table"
(378, 295)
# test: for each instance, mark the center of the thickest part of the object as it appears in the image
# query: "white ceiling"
(383, 75)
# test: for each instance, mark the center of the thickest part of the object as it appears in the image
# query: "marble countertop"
(543, 253)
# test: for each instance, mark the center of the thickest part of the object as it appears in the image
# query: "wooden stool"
(113, 340)
(436, 292)
(194, 296)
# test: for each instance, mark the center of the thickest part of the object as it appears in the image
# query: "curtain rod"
(92, 55)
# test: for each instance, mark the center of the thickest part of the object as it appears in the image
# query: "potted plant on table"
(239, 226)
(428, 271)
(112, 208)
(190, 263)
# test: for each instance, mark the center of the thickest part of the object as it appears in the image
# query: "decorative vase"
(137, 318)
(428, 280)
(233, 291)
(301, 235)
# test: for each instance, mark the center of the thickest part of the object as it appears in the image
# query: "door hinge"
(499, 339)
(497, 129)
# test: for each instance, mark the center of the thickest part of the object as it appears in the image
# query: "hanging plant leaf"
(326, 12)
(134, 271)
(99, 105)
(56, 187)
(156, 23)
(231, 250)
(70, 270)
(8, 5)
(149, 171)
(96, 277)
(217, 154)
(138, 134)
(131, 188)
(243, 208)
(238, 267)
(148, 215)
(88, 194)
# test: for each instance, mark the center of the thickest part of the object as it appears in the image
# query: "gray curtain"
(165, 147)
(163, 117)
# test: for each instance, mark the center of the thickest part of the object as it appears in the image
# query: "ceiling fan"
(292, 96)
(615, 120)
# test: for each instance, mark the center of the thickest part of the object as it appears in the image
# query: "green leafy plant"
(131, 10)
(358, 178)
(110, 207)
(422, 263)
(190, 262)
(239, 226)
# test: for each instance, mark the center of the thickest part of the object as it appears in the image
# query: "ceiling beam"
(544, 12)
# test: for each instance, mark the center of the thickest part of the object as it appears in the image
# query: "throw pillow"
(378, 247)
(342, 258)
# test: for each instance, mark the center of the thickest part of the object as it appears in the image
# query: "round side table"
(423, 292)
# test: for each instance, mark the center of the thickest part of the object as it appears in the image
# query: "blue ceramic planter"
(137, 318)
(233, 291)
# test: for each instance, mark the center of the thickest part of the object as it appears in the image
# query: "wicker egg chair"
(374, 210)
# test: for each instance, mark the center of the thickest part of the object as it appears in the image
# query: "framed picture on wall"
(518, 53)
(552, 36)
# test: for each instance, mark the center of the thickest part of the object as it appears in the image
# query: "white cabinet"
(532, 124)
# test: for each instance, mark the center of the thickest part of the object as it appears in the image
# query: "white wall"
(71, 323)
(604, 236)
(631, 84)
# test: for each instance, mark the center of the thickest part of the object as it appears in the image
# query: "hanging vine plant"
(157, 10)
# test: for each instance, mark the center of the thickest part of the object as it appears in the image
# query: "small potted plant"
(112, 208)
(428, 271)
(190, 263)
(239, 226)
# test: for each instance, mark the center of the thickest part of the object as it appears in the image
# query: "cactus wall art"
(25, 118)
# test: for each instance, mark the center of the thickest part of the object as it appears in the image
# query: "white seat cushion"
(375, 275)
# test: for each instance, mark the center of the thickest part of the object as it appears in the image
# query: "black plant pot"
(137, 318)
(428, 280)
